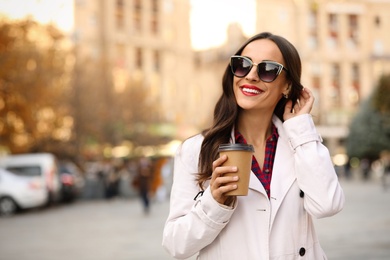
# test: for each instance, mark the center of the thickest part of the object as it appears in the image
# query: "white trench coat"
(304, 185)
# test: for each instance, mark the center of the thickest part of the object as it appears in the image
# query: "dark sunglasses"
(267, 70)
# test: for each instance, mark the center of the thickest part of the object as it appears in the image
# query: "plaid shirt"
(264, 175)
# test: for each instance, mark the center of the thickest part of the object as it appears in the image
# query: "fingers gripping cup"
(239, 155)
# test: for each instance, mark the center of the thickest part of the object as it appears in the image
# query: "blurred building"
(344, 46)
(143, 44)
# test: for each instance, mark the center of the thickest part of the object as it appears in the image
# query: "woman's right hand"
(220, 183)
(303, 105)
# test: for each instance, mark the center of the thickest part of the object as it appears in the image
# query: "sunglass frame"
(280, 67)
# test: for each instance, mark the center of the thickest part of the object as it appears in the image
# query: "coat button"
(301, 194)
(302, 251)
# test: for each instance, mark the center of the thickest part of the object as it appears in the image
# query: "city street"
(118, 229)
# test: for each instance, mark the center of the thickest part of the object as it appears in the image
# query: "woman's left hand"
(302, 106)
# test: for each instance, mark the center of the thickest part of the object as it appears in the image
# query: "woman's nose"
(252, 75)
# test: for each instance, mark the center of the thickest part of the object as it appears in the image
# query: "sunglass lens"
(268, 71)
(240, 66)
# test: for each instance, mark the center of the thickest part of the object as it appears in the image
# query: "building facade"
(143, 44)
(344, 46)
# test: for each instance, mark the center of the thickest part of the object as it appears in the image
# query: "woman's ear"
(287, 91)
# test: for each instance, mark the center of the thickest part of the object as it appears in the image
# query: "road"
(118, 229)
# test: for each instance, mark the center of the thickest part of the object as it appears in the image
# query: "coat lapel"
(255, 184)
(283, 173)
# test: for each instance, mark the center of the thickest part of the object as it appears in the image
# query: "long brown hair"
(226, 110)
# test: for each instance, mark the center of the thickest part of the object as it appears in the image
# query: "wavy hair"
(226, 109)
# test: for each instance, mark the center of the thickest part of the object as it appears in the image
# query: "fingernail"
(235, 178)
(234, 168)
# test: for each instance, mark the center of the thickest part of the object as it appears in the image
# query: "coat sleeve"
(314, 169)
(191, 225)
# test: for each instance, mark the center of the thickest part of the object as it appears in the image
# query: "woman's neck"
(255, 127)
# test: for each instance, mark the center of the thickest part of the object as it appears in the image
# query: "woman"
(263, 104)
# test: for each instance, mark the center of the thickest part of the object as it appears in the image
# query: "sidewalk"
(362, 230)
(118, 229)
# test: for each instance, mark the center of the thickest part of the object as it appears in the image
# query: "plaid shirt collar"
(264, 174)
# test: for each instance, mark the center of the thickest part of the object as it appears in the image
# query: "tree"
(106, 116)
(48, 103)
(370, 128)
(34, 87)
(136, 114)
(381, 97)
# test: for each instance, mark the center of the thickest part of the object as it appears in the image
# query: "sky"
(61, 11)
(209, 18)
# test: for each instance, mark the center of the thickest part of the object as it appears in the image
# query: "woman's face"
(250, 91)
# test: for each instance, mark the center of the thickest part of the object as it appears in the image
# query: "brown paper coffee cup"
(239, 155)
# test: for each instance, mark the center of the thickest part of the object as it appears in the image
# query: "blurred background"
(94, 91)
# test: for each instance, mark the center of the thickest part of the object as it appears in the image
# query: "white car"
(34, 180)
(20, 192)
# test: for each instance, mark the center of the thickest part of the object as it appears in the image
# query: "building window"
(315, 87)
(353, 29)
(119, 14)
(335, 91)
(157, 61)
(333, 34)
(316, 82)
(137, 15)
(120, 55)
(354, 95)
(154, 17)
(138, 58)
(313, 29)
(377, 21)
(119, 74)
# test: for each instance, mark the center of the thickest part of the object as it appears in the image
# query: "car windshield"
(64, 169)
(28, 171)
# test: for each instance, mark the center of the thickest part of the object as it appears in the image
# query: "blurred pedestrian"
(264, 104)
(347, 170)
(103, 172)
(143, 181)
(385, 161)
(157, 180)
(166, 183)
(113, 179)
(365, 166)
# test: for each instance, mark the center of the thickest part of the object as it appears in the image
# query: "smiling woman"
(292, 178)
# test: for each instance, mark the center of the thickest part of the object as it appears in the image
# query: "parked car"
(72, 181)
(42, 168)
(19, 191)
